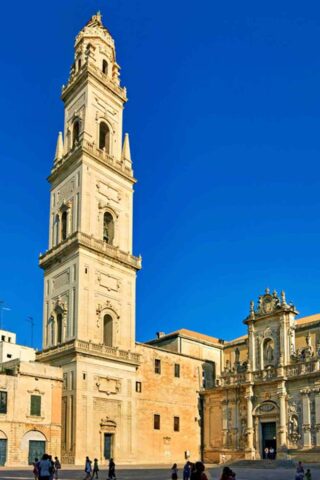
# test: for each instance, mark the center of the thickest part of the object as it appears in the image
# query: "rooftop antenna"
(30, 320)
(3, 308)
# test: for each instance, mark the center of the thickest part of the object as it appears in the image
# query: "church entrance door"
(269, 437)
(108, 445)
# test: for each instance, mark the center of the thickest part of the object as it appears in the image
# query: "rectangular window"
(138, 387)
(156, 422)
(157, 366)
(3, 402)
(35, 406)
(176, 424)
(177, 370)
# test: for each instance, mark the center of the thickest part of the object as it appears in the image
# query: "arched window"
(59, 328)
(64, 219)
(104, 137)
(108, 228)
(56, 226)
(79, 64)
(105, 67)
(75, 133)
(107, 330)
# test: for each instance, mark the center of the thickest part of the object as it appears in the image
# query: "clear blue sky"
(224, 120)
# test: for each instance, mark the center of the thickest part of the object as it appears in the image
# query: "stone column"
(252, 350)
(236, 423)
(306, 418)
(249, 452)
(282, 395)
(225, 423)
(317, 411)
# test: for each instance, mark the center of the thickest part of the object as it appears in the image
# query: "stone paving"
(243, 473)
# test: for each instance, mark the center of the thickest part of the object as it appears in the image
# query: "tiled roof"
(309, 319)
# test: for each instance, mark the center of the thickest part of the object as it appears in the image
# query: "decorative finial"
(99, 16)
(252, 306)
(267, 291)
(283, 298)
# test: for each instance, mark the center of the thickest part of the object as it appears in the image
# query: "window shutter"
(35, 405)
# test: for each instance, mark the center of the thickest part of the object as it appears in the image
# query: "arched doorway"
(33, 445)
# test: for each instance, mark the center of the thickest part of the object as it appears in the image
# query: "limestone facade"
(30, 411)
(267, 395)
(182, 394)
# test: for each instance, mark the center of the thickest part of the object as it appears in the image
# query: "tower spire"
(126, 154)
(59, 148)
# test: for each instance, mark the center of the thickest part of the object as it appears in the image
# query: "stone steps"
(264, 464)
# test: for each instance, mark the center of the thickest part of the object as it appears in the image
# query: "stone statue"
(268, 353)
(237, 355)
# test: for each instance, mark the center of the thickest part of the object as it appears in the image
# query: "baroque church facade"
(183, 394)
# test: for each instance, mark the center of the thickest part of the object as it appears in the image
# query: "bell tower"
(89, 268)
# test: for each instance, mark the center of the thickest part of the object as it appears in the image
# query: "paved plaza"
(243, 473)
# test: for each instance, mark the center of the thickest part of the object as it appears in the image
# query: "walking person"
(52, 469)
(112, 469)
(199, 472)
(57, 467)
(227, 474)
(272, 453)
(187, 471)
(174, 471)
(35, 470)
(300, 471)
(95, 468)
(44, 467)
(266, 453)
(87, 468)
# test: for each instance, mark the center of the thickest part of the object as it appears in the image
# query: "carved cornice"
(82, 347)
(79, 239)
(75, 155)
(86, 72)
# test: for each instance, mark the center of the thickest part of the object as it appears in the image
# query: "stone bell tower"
(89, 269)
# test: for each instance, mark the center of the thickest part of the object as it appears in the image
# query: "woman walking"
(174, 472)
(88, 469)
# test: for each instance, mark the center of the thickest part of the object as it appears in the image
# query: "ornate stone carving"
(107, 305)
(110, 386)
(108, 423)
(269, 303)
(293, 423)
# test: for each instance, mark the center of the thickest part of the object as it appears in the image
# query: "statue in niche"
(268, 353)
(293, 422)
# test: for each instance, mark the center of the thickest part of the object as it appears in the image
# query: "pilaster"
(306, 416)
(317, 412)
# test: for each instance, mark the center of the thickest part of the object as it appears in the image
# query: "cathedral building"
(268, 392)
(183, 394)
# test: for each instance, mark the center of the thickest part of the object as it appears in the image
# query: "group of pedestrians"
(93, 471)
(196, 471)
(46, 468)
(269, 453)
(191, 471)
(301, 475)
